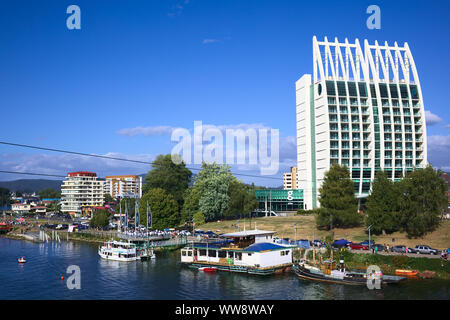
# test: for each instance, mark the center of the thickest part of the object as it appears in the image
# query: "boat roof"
(247, 233)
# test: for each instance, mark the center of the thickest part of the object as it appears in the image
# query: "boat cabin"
(251, 249)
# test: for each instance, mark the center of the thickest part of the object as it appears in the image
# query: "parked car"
(402, 249)
(358, 246)
(379, 247)
(423, 249)
(367, 242)
(317, 243)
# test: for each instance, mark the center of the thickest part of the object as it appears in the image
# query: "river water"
(166, 279)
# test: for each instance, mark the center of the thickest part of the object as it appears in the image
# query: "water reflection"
(166, 278)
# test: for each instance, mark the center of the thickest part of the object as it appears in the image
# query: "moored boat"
(328, 273)
(118, 251)
(208, 269)
(404, 272)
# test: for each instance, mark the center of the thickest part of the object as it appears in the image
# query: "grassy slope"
(306, 229)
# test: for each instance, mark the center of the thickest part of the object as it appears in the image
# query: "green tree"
(173, 178)
(164, 208)
(108, 198)
(5, 197)
(337, 199)
(199, 218)
(100, 219)
(242, 199)
(383, 205)
(127, 204)
(191, 203)
(423, 199)
(54, 206)
(49, 193)
(213, 181)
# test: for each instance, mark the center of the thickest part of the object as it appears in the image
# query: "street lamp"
(368, 228)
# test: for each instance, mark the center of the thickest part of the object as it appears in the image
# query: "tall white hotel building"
(363, 108)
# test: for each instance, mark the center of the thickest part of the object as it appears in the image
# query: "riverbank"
(388, 264)
(306, 229)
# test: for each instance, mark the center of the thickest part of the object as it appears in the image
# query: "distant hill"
(31, 185)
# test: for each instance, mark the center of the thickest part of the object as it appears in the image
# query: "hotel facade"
(363, 108)
(81, 189)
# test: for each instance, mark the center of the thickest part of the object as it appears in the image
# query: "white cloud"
(439, 151)
(207, 41)
(431, 118)
(146, 131)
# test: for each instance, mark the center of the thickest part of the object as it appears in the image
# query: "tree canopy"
(422, 200)
(337, 199)
(173, 178)
(100, 219)
(164, 208)
(49, 193)
(383, 205)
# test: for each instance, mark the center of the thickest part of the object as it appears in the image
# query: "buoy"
(62, 278)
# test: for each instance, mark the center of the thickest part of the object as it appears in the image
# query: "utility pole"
(369, 236)
(295, 232)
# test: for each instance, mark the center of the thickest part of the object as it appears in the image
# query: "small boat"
(329, 273)
(21, 260)
(405, 272)
(207, 269)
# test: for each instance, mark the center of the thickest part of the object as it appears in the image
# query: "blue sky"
(168, 63)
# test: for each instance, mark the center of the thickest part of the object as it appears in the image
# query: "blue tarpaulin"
(257, 247)
(341, 243)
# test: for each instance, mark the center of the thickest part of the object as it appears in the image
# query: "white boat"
(118, 251)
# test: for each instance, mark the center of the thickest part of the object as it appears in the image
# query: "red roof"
(82, 174)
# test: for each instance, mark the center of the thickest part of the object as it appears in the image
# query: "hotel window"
(414, 92)
(342, 90)
(383, 90)
(362, 89)
(373, 92)
(330, 88)
(404, 91)
(394, 91)
(352, 89)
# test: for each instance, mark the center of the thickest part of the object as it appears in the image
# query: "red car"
(358, 246)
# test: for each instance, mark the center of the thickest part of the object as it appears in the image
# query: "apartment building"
(290, 179)
(81, 189)
(123, 186)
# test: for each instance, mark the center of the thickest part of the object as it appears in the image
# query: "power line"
(32, 174)
(115, 158)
